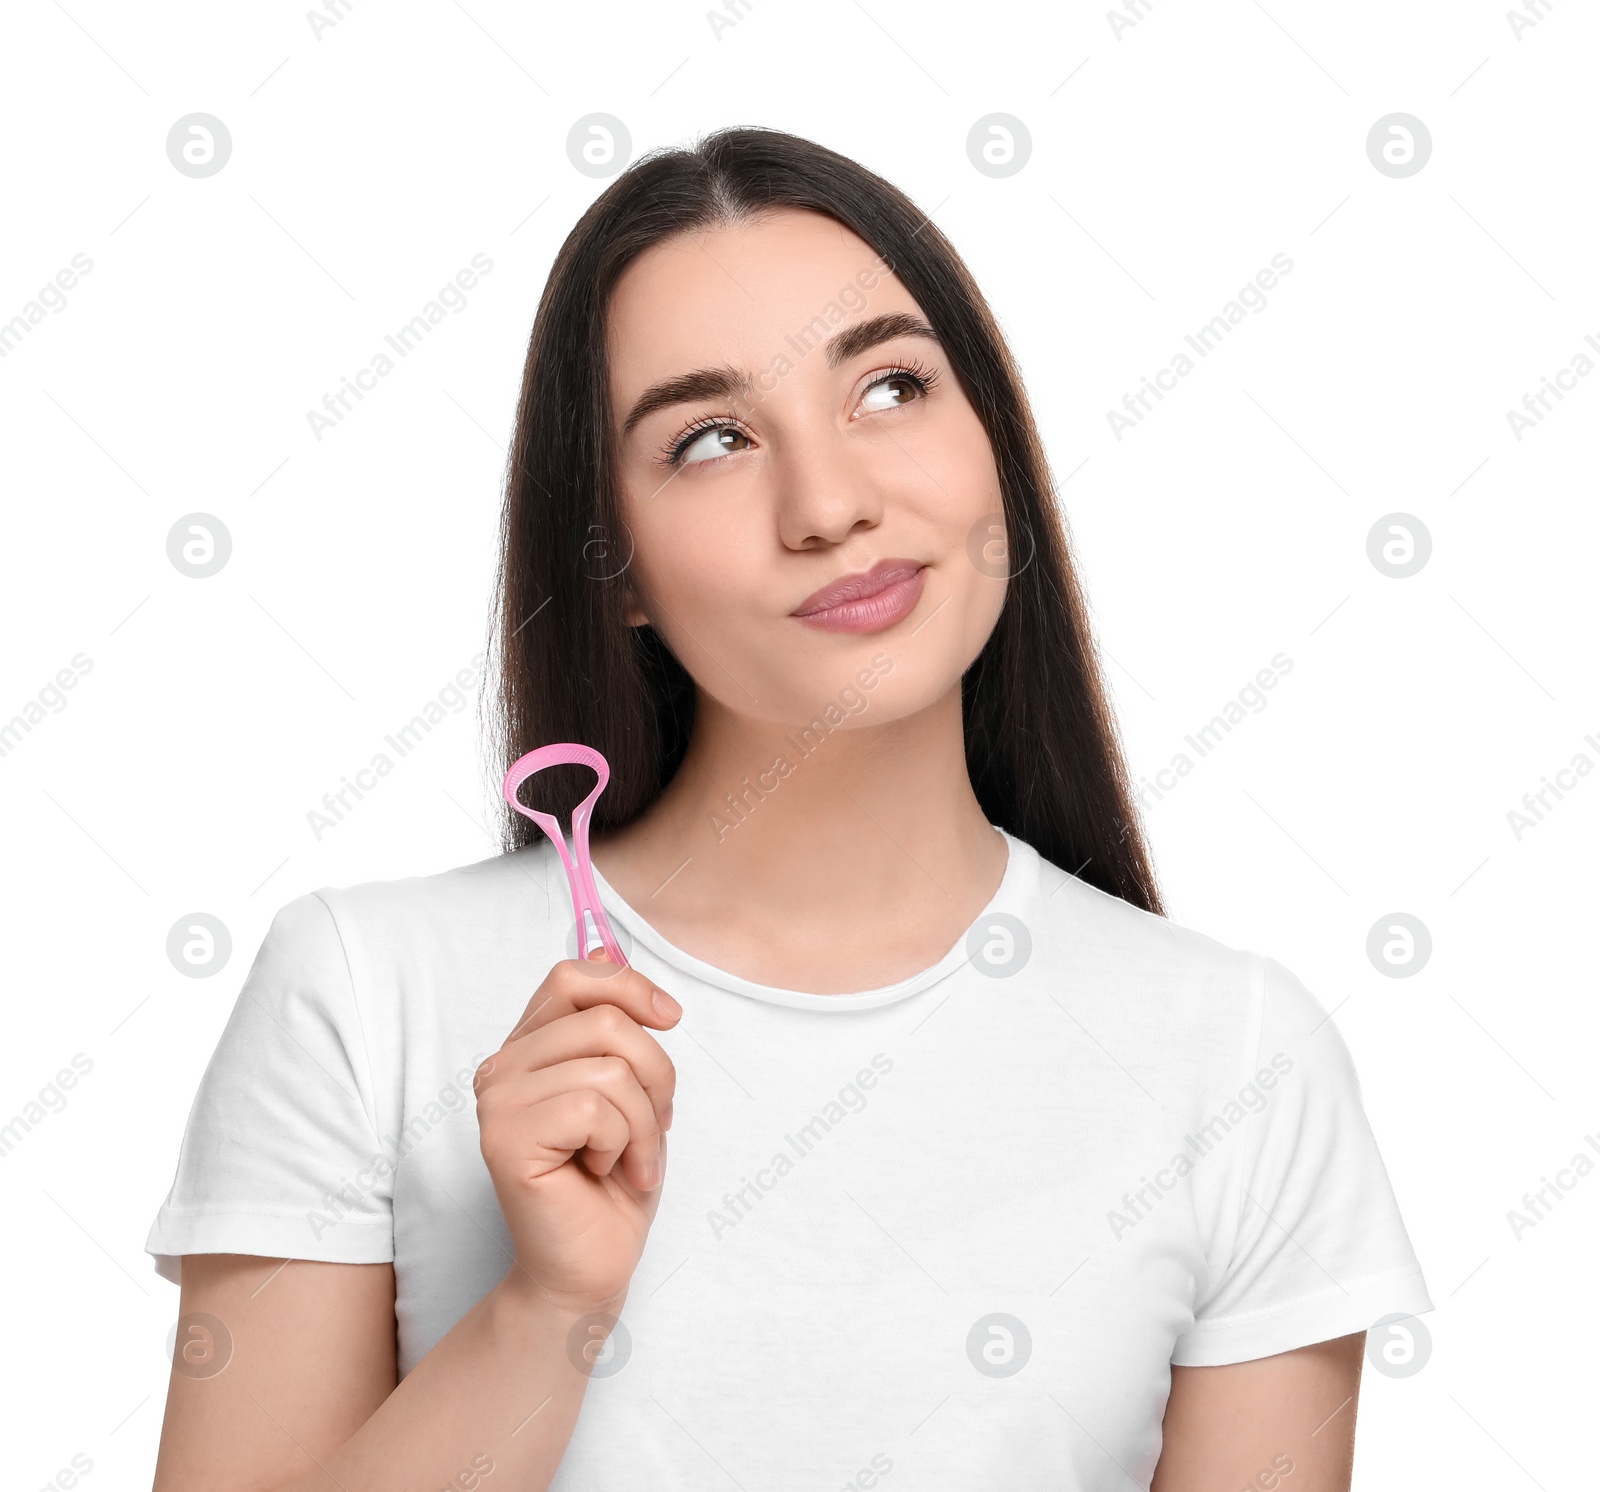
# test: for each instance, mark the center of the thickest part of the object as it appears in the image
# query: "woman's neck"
(829, 861)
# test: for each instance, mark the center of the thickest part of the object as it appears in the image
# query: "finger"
(581, 1125)
(603, 1031)
(579, 984)
(574, 985)
(539, 1140)
(614, 1079)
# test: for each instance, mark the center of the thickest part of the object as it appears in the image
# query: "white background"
(1169, 163)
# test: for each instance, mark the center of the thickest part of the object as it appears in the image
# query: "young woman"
(983, 1173)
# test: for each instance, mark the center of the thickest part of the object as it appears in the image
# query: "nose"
(826, 490)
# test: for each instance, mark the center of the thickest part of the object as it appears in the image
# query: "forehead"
(741, 294)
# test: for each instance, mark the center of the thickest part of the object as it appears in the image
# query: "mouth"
(867, 602)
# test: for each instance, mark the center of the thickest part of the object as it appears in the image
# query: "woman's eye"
(722, 440)
(901, 388)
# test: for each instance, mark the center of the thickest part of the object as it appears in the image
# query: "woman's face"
(785, 420)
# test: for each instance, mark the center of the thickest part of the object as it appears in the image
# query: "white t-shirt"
(948, 1233)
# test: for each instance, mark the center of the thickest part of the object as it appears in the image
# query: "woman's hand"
(571, 1115)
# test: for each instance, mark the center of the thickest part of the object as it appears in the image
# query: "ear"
(632, 612)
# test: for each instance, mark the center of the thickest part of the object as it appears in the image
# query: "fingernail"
(655, 1170)
(666, 1007)
(666, 1116)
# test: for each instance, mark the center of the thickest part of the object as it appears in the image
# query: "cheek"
(703, 592)
(979, 481)
(979, 591)
(979, 556)
(953, 477)
(979, 547)
(693, 559)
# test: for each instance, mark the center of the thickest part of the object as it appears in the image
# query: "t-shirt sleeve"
(281, 1156)
(1318, 1249)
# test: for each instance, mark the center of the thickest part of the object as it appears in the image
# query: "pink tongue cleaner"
(588, 913)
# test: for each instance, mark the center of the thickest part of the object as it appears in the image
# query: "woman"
(985, 1173)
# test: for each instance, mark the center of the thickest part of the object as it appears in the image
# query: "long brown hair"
(1042, 747)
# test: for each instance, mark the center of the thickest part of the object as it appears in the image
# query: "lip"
(865, 602)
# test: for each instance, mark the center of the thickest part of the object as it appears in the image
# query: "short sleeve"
(281, 1156)
(1319, 1249)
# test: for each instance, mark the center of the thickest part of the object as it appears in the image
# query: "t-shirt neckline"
(1020, 856)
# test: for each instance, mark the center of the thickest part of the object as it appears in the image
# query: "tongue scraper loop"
(586, 908)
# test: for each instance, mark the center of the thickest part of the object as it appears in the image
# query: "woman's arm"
(307, 1399)
(1288, 1420)
(306, 1396)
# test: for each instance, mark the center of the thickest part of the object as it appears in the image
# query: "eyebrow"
(728, 382)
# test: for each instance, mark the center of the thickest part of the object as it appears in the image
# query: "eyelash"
(923, 377)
